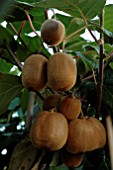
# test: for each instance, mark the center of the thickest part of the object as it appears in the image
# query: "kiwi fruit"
(52, 32)
(49, 131)
(70, 107)
(61, 72)
(34, 72)
(51, 102)
(85, 135)
(69, 159)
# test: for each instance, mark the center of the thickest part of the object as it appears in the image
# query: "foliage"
(18, 38)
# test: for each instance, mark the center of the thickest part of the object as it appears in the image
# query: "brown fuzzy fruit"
(71, 160)
(34, 73)
(61, 72)
(51, 102)
(85, 134)
(49, 131)
(52, 32)
(70, 107)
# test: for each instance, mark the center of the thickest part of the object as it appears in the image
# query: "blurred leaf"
(23, 156)
(61, 167)
(81, 8)
(15, 11)
(24, 99)
(4, 7)
(10, 87)
(107, 100)
(15, 102)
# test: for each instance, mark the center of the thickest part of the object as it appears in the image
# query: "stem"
(110, 138)
(14, 57)
(21, 27)
(46, 14)
(11, 25)
(41, 97)
(31, 25)
(101, 67)
(30, 110)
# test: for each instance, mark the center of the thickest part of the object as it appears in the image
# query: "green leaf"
(75, 43)
(35, 45)
(108, 15)
(87, 60)
(81, 8)
(4, 66)
(6, 38)
(10, 87)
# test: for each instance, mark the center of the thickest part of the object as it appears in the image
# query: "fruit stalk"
(14, 57)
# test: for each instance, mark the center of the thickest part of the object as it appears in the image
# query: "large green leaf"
(80, 8)
(10, 87)
(108, 16)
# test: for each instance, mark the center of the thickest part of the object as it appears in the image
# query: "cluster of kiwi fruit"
(59, 126)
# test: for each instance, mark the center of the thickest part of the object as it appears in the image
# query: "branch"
(101, 67)
(109, 127)
(14, 57)
(21, 27)
(11, 25)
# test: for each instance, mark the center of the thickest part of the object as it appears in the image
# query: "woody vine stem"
(101, 66)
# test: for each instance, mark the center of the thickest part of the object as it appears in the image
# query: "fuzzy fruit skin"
(34, 73)
(71, 160)
(85, 134)
(49, 131)
(62, 72)
(70, 107)
(51, 102)
(52, 32)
